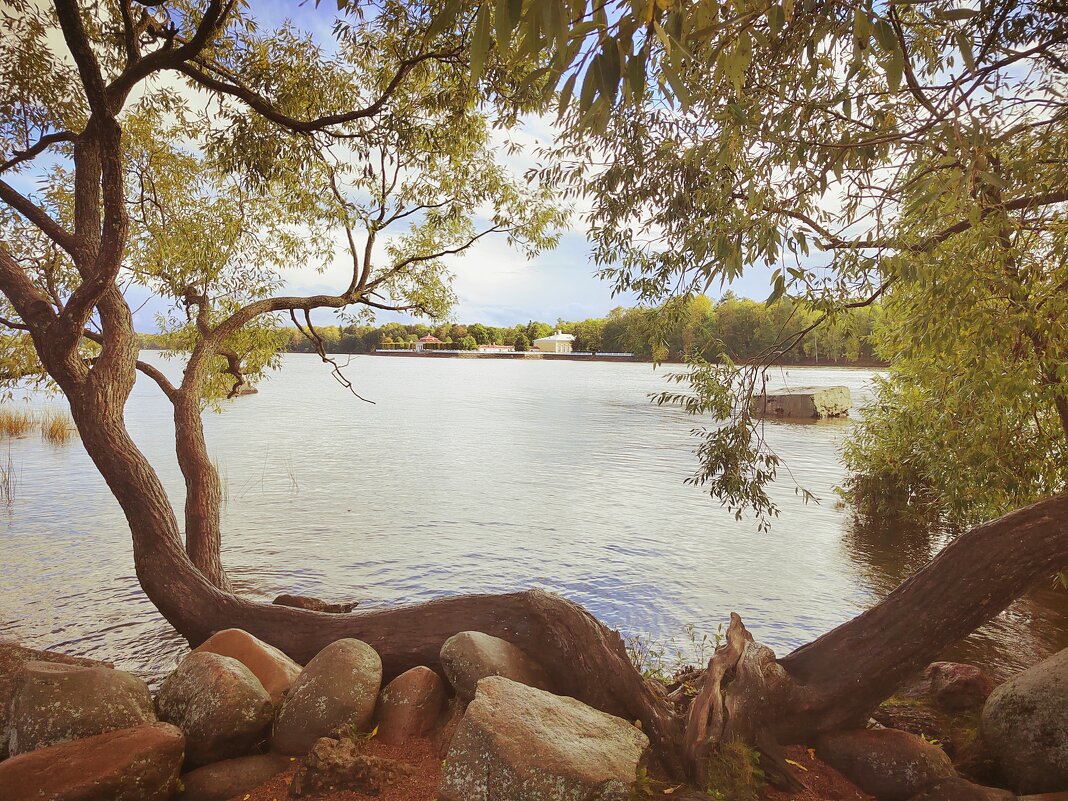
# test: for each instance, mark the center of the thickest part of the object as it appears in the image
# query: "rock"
(219, 705)
(1025, 727)
(516, 743)
(955, 687)
(57, 702)
(962, 790)
(12, 658)
(274, 669)
(337, 688)
(471, 655)
(343, 764)
(889, 764)
(220, 781)
(803, 403)
(409, 706)
(140, 763)
(314, 604)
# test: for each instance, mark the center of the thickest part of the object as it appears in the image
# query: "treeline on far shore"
(737, 327)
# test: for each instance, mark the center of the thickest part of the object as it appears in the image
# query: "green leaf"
(778, 288)
(885, 36)
(861, 27)
(566, 92)
(956, 14)
(480, 43)
(609, 68)
(965, 48)
(895, 66)
(444, 19)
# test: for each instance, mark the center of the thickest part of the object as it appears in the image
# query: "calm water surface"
(469, 476)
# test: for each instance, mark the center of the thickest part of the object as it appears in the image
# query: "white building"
(557, 343)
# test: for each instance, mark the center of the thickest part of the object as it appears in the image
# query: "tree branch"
(19, 156)
(263, 107)
(37, 216)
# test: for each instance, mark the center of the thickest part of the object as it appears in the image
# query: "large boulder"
(889, 764)
(956, 687)
(220, 781)
(274, 669)
(959, 789)
(410, 705)
(470, 656)
(12, 657)
(219, 705)
(1025, 727)
(517, 743)
(140, 763)
(57, 702)
(337, 688)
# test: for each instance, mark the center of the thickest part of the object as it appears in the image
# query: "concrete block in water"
(803, 403)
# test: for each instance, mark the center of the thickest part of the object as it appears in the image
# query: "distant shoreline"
(868, 364)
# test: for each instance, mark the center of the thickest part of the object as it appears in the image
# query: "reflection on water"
(468, 476)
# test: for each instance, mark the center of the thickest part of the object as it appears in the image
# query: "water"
(467, 476)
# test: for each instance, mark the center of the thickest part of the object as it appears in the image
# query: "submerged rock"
(1025, 727)
(470, 656)
(410, 705)
(337, 688)
(54, 703)
(140, 763)
(889, 764)
(517, 743)
(803, 403)
(219, 705)
(274, 669)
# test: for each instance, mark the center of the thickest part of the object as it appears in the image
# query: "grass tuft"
(15, 422)
(734, 772)
(57, 427)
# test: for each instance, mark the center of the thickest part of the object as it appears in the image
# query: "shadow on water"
(888, 552)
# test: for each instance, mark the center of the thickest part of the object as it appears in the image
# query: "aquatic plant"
(15, 422)
(57, 427)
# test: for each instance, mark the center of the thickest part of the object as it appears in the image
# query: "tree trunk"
(203, 496)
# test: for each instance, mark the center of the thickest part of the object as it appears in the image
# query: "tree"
(400, 95)
(521, 343)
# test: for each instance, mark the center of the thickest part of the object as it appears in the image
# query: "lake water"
(469, 476)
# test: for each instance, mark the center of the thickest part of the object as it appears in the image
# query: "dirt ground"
(823, 782)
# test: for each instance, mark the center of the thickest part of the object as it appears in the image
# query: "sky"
(496, 285)
(493, 283)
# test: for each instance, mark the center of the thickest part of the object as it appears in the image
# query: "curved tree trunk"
(203, 496)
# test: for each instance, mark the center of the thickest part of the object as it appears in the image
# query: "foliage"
(972, 419)
(736, 327)
(521, 343)
(858, 152)
(665, 661)
(379, 154)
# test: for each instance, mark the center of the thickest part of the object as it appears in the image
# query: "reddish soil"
(420, 755)
(823, 782)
